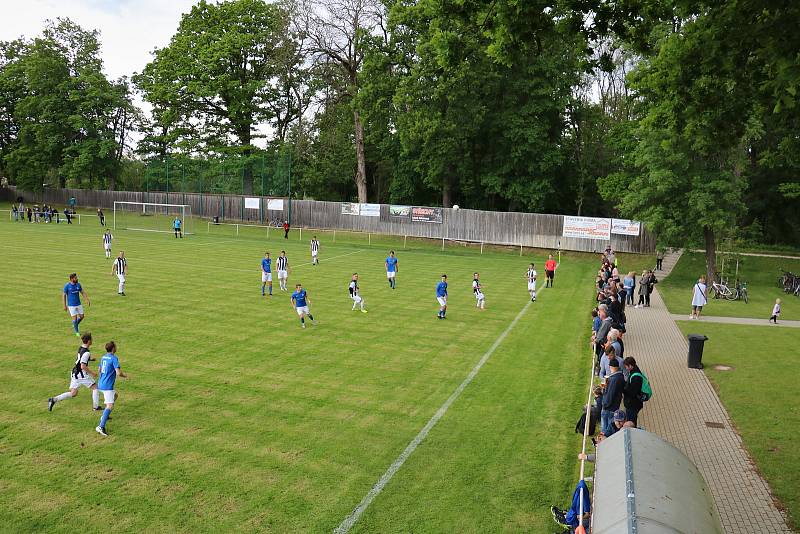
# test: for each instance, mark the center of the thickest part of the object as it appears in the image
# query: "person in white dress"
(699, 298)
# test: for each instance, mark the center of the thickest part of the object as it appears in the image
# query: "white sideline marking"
(351, 519)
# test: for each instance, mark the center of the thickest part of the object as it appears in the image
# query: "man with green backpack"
(637, 390)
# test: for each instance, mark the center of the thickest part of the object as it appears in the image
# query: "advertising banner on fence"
(625, 227)
(252, 203)
(429, 215)
(349, 208)
(275, 204)
(370, 210)
(400, 211)
(587, 227)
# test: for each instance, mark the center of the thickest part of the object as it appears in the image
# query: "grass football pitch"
(233, 417)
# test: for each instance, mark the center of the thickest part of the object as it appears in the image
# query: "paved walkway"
(738, 320)
(686, 411)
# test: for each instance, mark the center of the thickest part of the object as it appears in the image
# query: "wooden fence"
(490, 227)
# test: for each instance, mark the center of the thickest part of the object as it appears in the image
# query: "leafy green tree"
(223, 74)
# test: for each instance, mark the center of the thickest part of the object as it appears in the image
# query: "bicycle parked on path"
(722, 290)
(790, 283)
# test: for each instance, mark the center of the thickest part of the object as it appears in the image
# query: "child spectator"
(776, 311)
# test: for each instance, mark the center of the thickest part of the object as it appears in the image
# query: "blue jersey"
(106, 369)
(266, 265)
(299, 298)
(441, 289)
(73, 293)
(176, 224)
(391, 264)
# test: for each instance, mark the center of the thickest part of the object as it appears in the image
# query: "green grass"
(761, 275)
(235, 418)
(760, 394)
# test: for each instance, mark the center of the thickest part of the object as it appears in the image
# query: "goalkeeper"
(176, 225)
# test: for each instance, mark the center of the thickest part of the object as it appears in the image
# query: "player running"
(120, 269)
(314, 251)
(354, 293)
(107, 238)
(266, 273)
(176, 227)
(72, 301)
(531, 276)
(109, 370)
(391, 269)
(477, 290)
(283, 270)
(441, 296)
(549, 270)
(81, 375)
(300, 301)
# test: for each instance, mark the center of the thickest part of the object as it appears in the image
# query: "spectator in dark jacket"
(632, 393)
(652, 281)
(612, 397)
(602, 330)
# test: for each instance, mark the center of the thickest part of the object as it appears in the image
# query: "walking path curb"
(738, 320)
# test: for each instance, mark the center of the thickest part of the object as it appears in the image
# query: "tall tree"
(338, 31)
(222, 75)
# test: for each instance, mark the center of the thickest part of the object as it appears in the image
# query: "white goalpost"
(152, 217)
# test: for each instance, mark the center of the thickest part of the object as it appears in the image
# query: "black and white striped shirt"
(120, 264)
(283, 263)
(353, 288)
(314, 245)
(107, 239)
(84, 357)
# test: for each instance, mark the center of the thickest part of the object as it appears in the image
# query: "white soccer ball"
(455, 206)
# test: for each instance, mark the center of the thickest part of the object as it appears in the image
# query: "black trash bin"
(696, 342)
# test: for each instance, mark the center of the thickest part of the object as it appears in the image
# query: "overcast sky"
(129, 29)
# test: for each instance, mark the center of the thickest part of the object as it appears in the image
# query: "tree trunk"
(247, 173)
(447, 196)
(361, 165)
(711, 254)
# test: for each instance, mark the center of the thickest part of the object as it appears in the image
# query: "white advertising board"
(587, 227)
(370, 210)
(625, 227)
(251, 203)
(275, 204)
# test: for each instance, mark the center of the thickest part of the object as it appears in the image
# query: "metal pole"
(289, 170)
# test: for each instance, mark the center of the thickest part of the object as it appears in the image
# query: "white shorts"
(356, 299)
(266, 277)
(301, 310)
(442, 301)
(479, 295)
(75, 310)
(108, 247)
(109, 396)
(390, 274)
(283, 274)
(531, 286)
(314, 253)
(121, 278)
(75, 383)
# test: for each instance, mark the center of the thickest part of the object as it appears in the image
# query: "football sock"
(270, 289)
(262, 291)
(75, 324)
(104, 417)
(302, 320)
(310, 316)
(64, 396)
(95, 398)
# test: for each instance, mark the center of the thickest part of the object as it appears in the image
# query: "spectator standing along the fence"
(68, 216)
(286, 230)
(632, 394)
(612, 397)
(602, 330)
(14, 212)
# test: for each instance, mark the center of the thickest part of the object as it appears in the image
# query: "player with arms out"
(391, 269)
(300, 301)
(283, 270)
(107, 238)
(266, 273)
(441, 296)
(72, 301)
(314, 251)
(531, 277)
(120, 269)
(108, 370)
(549, 270)
(81, 375)
(355, 293)
(478, 291)
(176, 227)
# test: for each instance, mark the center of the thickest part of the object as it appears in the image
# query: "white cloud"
(129, 29)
